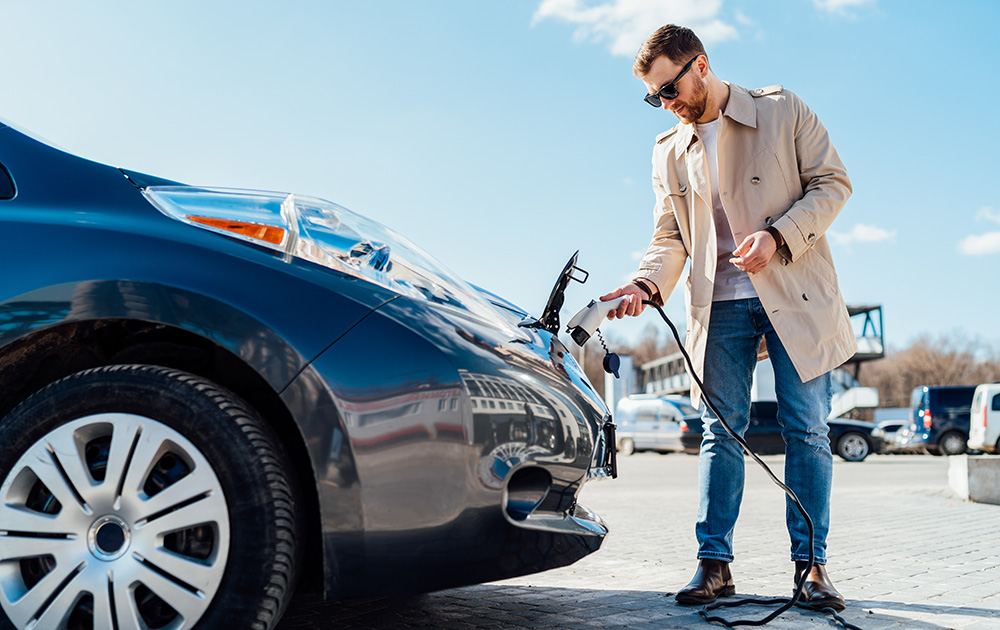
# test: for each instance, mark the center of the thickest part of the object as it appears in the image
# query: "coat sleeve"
(825, 184)
(665, 257)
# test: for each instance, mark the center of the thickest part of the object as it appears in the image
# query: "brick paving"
(904, 550)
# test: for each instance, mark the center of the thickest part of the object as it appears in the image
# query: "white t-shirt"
(730, 282)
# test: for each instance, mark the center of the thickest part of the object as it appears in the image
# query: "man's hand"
(754, 252)
(632, 304)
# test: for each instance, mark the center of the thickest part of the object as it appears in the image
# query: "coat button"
(683, 189)
(755, 181)
(812, 238)
(767, 221)
(805, 297)
(784, 262)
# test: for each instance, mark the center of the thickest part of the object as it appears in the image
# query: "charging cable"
(787, 603)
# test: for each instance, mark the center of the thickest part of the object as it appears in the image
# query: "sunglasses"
(668, 91)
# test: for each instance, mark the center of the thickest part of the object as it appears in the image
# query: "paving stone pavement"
(904, 550)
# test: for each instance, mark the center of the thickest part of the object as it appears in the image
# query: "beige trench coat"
(776, 167)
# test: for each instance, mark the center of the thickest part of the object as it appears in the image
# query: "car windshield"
(687, 410)
(27, 132)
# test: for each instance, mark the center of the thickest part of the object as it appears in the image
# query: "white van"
(984, 420)
(646, 422)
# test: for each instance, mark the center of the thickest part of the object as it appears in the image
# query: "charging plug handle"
(584, 323)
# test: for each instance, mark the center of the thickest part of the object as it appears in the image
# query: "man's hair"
(678, 43)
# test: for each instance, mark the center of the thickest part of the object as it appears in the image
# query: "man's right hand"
(632, 304)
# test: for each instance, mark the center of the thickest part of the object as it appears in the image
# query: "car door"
(669, 431)
(646, 425)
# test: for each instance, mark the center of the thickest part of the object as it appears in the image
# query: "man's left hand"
(754, 252)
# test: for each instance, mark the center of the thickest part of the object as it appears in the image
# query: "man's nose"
(666, 103)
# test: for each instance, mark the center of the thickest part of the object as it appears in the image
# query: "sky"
(504, 135)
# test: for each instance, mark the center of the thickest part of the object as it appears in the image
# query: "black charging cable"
(786, 603)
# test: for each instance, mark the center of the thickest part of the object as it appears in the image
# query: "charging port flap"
(605, 464)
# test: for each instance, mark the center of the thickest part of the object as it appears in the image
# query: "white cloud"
(988, 214)
(841, 6)
(980, 244)
(861, 233)
(625, 24)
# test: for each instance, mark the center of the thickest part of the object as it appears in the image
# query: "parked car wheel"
(953, 443)
(135, 496)
(853, 446)
(626, 446)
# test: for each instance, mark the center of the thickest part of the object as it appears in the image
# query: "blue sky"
(503, 135)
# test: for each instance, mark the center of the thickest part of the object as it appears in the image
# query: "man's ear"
(701, 66)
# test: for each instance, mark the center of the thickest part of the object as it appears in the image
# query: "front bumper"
(457, 457)
(912, 443)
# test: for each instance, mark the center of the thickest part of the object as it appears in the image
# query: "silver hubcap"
(953, 444)
(855, 447)
(111, 521)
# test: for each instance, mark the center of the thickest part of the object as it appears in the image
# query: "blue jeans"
(734, 334)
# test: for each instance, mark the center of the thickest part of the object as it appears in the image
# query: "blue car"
(212, 399)
(940, 418)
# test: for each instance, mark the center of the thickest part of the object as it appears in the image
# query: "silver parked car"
(647, 422)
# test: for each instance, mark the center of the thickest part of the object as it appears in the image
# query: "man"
(746, 185)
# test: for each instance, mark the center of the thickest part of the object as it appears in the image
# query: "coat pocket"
(809, 298)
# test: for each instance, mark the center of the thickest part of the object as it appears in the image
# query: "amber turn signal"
(256, 231)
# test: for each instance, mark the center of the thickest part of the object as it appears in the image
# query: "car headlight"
(327, 234)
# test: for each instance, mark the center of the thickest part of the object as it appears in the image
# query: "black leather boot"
(819, 590)
(711, 581)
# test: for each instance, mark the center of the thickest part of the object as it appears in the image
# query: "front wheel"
(853, 446)
(135, 497)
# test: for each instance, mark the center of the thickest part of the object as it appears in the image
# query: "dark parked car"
(210, 398)
(851, 439)
(940, 420)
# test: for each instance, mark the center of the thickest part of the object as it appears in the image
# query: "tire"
(853, 446)
(626, 446)
(134, 496)
(953, 443)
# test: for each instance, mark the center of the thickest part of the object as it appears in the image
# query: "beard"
(694, 107)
